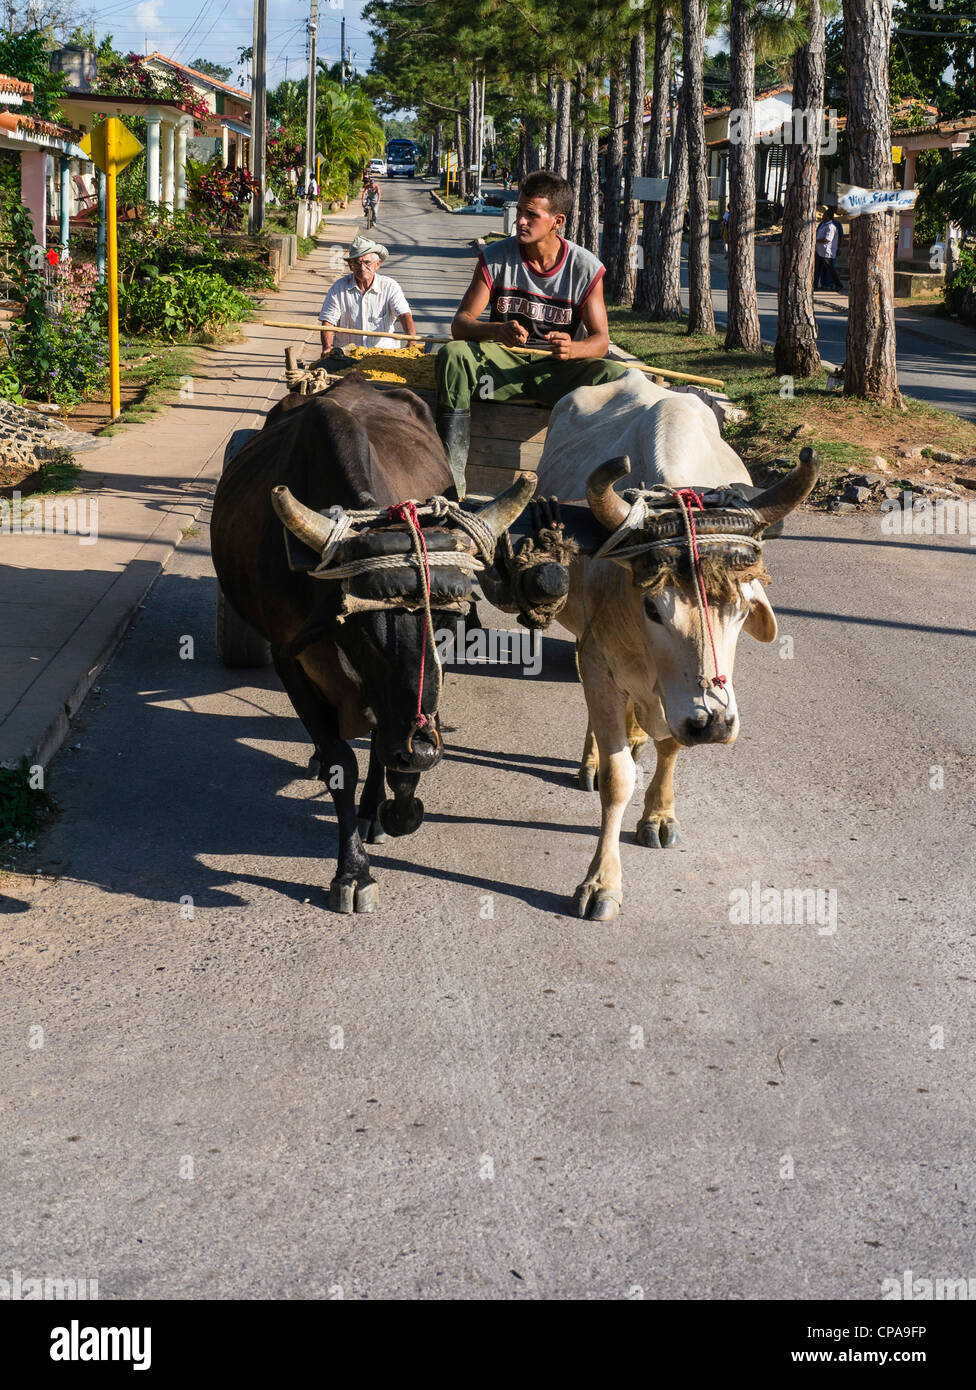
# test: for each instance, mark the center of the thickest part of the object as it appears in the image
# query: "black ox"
(349, 653)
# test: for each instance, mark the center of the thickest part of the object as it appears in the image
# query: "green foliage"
(963, 279)
(215, 70)
(184, 241)
(26, 56)
(951, 187)
(129, 77)
(10, 384)
(222, 195)
(180, 303)
(23, 809)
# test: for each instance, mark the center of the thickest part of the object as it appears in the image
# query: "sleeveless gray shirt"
(542, 303)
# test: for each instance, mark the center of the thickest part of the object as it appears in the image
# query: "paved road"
(518, 1104)
(940, 370)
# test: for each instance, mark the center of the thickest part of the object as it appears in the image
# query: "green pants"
(488, 371)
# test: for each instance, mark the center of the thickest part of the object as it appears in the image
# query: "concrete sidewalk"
(67, 600)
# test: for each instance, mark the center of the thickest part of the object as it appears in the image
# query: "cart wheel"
(238, 644)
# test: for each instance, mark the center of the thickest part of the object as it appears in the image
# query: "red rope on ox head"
(692, 499)
(407, 513)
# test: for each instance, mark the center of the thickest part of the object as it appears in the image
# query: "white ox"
(644, 659)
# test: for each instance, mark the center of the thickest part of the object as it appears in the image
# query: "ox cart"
(506, 442)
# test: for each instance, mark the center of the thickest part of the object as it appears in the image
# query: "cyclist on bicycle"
(371, 200)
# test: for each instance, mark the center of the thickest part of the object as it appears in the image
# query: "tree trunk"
(591, 238)
(563, 126)
(742, 329)
(437, 140)
(796, 352)
(656, 150)
(471, 137)
(576, 163)
(664, 289)
(627, 270)
(461, 187)
(610, 250)
(532, 125)
(552, 96)
(701, 317)
(871, 368)
(520, 167)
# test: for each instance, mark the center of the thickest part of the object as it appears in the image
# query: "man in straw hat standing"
(373, 303)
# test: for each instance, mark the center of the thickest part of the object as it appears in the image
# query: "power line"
(195, 21)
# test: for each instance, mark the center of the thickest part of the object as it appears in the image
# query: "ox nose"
(708, 726)
(419, 753)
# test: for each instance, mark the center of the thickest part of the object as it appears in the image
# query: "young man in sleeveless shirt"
(541, 289)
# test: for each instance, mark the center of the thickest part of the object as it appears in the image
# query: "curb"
(440, 202)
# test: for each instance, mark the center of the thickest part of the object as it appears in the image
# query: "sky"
(216, 29)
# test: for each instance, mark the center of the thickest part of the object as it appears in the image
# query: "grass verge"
(783, 415)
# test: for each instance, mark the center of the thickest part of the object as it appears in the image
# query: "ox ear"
(760, 620)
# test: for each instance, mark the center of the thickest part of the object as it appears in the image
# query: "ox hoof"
(401, 817)
(588, 779)
(370, 832)
(596, 904)
(353, 897)
(658, 832)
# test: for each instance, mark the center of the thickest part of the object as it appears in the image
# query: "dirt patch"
(93, 415)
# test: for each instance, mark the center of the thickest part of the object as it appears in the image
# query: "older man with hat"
(364, 300)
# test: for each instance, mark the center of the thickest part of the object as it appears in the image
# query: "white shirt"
(379, 307)
(827, 239)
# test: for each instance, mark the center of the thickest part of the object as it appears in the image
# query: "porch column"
(64, 200)
(33, 190)
(224, 146)
(167, 134)
(100, 251)
(906, 219)
(239, 147)
(153, 122)
(179, 203)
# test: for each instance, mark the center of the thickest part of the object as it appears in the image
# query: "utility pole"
(313, 21)
(342, 53)
(259, 92)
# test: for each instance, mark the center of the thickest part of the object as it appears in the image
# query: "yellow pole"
(112, 270)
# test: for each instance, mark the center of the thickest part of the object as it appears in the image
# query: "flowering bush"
(223, 195)
(129, 77)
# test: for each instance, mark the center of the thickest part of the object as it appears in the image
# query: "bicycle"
(370, 216)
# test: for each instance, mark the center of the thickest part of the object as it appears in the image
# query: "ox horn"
(607, 506)
(773, 504)
(508, 506)
(310, 527)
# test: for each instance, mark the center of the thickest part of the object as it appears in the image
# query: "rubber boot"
(454, 429)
